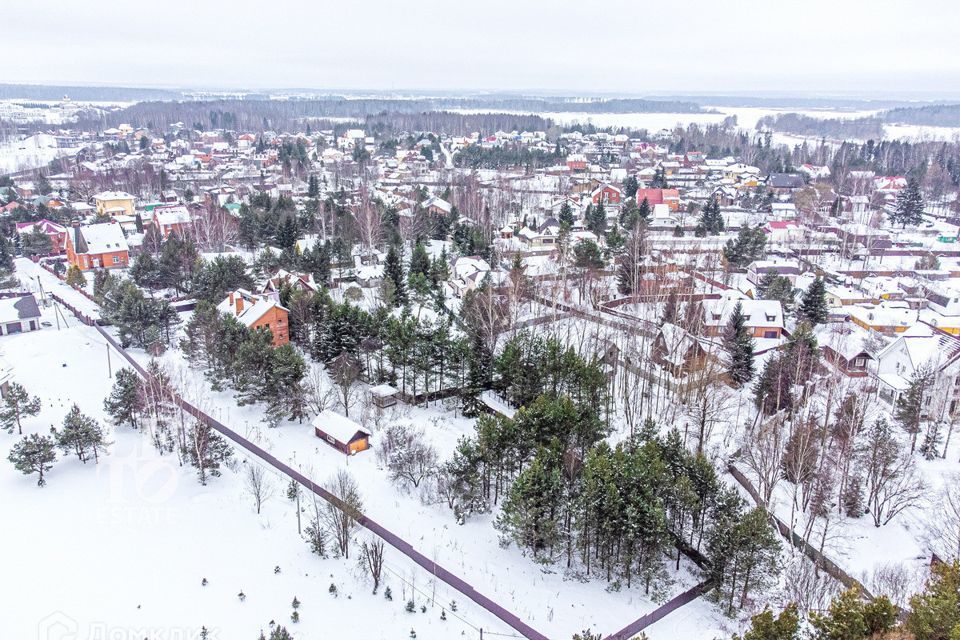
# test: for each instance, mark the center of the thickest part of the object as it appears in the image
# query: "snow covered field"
(119, 549)
(30, 153)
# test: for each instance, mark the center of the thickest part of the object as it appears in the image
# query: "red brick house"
(259, 312)
(97, 246)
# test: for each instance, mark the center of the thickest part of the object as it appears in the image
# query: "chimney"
(239, 304)
(231, 298)
(76, 236)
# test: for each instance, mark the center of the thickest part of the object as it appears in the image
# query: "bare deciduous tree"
(258, 485)
(943, 531)
(371, 558)
(341, 517)
(405, 452)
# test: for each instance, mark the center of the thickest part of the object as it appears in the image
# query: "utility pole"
(109, 368)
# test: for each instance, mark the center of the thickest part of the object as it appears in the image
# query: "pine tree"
(935, 613)
(813, 304)
(34, 454)
(851, 617)
(910, 205)
(565, 217)
(393, 272)
(81, 435)
(746, 248)
(17, 404)
(125, 401)
(738, 344)
(766, 626)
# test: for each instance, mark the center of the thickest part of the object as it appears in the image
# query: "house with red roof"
(57, 233)
(669, 197)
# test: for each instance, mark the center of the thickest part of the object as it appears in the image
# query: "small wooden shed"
(340, 432)
(383, 395)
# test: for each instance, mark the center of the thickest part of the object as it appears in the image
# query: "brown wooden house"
(340, 432)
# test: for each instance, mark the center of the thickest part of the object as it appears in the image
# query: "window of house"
(716, 316)
(859, 362)
(116, 259)
(771, 318)
(769, 334)
(746, 318)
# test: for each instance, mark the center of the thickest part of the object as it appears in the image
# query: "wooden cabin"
(341, 433)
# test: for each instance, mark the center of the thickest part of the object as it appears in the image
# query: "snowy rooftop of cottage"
(341, 428)
(103, 238)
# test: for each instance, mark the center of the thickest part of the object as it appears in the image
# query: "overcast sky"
(585, 46)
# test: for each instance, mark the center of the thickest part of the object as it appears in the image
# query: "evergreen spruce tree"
(34, 454)
(419, 261)
(645, 211)
(393, 271)
(909, 409)
(909, 209)
(738, 344)
(813, 305)
(565, 217)
(16, 405)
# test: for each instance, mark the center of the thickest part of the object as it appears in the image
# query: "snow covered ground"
(30, 153)
(155, 533)
(119, 549)
(542, 595)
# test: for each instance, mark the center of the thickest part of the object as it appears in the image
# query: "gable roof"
(340, 428)
(106, 237)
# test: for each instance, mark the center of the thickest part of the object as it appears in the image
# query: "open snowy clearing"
(120, 548)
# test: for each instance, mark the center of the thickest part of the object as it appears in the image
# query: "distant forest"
(833, 128)
(934, 115)
(294, 115)
(84, 94)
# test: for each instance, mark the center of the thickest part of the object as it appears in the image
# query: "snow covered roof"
(340, 428)
(253, 308)
(19, 308)
(383, 391)
(756, 313)
(103, 238)
(177, 214)
(113, 195)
